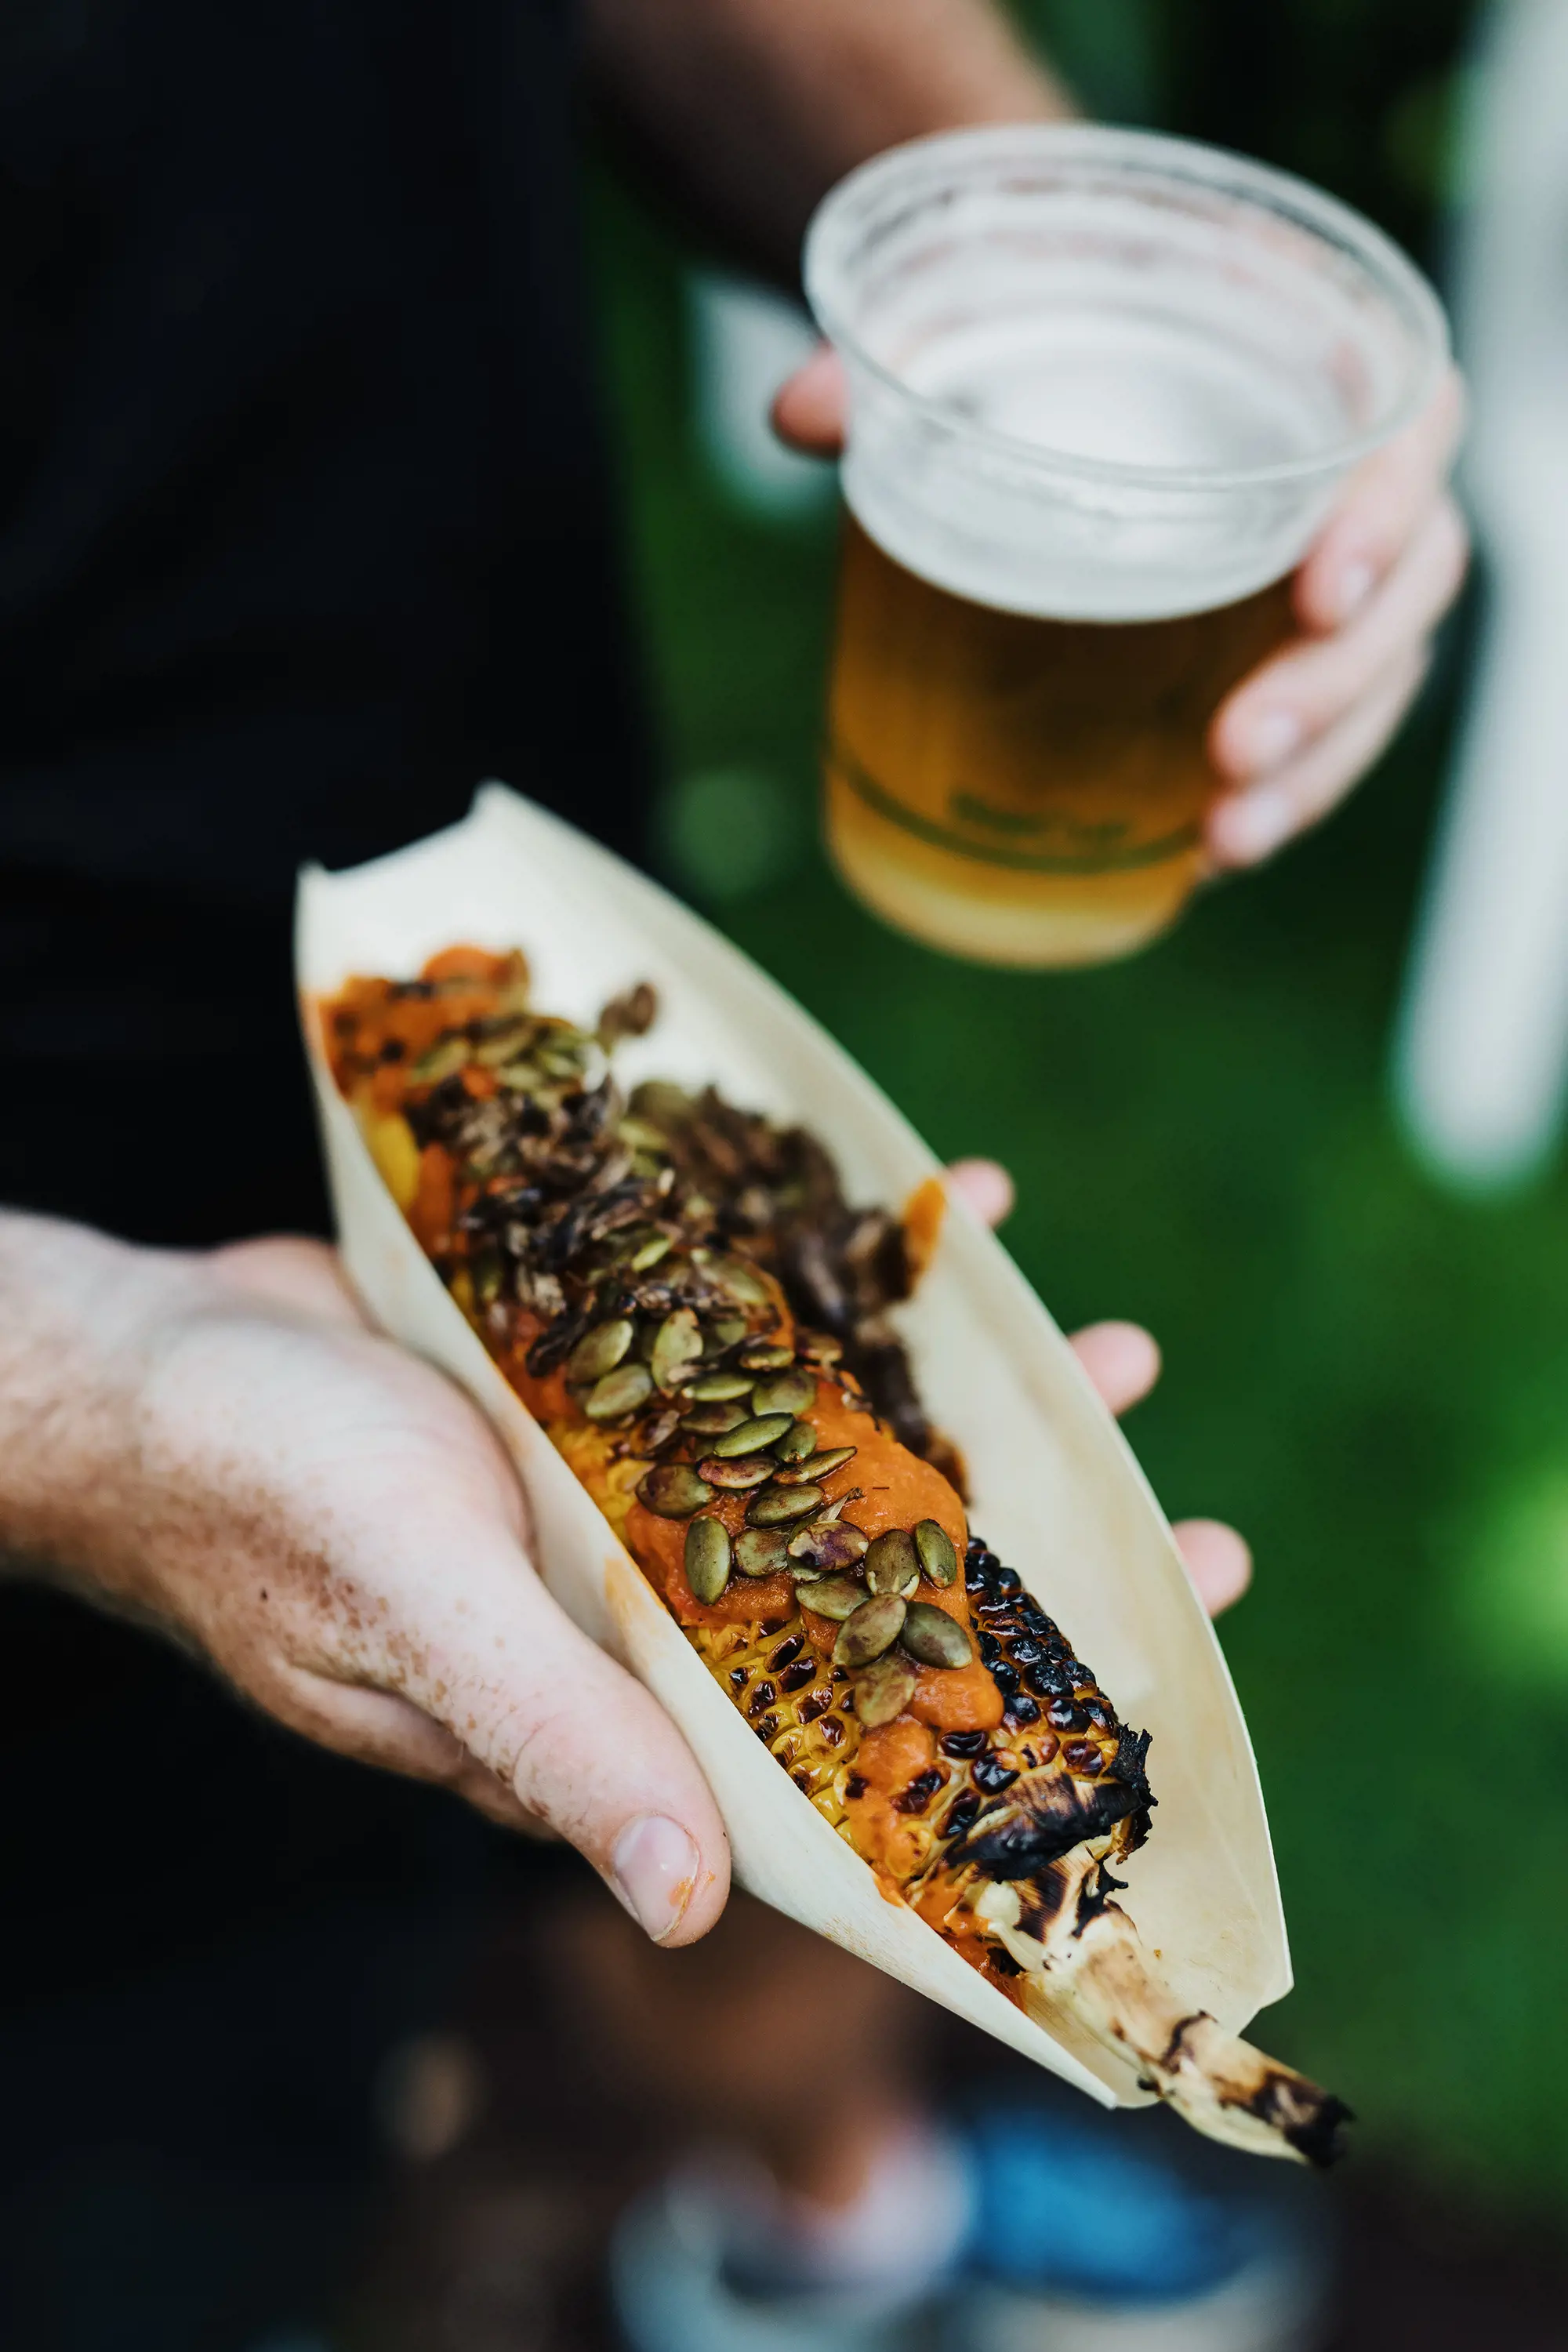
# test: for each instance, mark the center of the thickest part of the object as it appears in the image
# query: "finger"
(810, 409)
(1218, 1561)
(384, 1729)
(1310, 686)
(1379, 510)
(573, 1739)
(1122, 1360)
(1245, 827)
(986, 1186)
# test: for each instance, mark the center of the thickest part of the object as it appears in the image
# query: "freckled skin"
(220, 1448)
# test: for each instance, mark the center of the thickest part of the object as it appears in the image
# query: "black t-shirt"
(302, 531)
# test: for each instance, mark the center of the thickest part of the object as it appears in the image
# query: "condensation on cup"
(1103, 388)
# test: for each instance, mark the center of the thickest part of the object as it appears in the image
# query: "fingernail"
(1253, 824)
(654, 1868)
(1268, 738)
(1353, 586)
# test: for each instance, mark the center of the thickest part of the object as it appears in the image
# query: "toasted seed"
(799, 1441)
(874, 1627)
(822, 1466)
(745, 1470)
(658, 1430)
(818, 1347)
(819, 1551)
(775, 1507)
(717, 1388)
(831, 1596)
(658, 1245)
(439, 1060)
(598, 1351)
(884, 1690)
(935, 1638)
(767, 1356)
(934, 1548)
(707, 1558)
(673, 1491)
(740, 1281)
(676, 1348)
(713, 1420)
(788, 1393)
(760, 1551)
(752, 1436)
(891, 1565)
(505, 1045)
(620, 1392)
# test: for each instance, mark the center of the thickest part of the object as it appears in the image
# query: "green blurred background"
(1367, 1375)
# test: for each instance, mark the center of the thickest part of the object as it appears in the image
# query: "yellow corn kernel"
(391, 1142)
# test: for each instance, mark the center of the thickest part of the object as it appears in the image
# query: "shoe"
(1083, 2243)
(712, 2259)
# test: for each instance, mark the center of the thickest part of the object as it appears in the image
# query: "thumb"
(576, 1742)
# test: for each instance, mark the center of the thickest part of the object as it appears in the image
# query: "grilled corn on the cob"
(642, 1272)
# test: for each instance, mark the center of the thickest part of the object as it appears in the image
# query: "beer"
(1021, 789)
(1104, 390)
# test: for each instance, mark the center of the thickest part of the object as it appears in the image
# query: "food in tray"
(682, 1296)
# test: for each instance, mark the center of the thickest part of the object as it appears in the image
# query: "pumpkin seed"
(788, 1393)
(760, 1551)
(717, 1388)
(832, 1596)
(745, 1470)
(935, 1638)
(737, 1279)
(673, 1491)
(776, 1506)
(707, 1558)
(767, 1356)
(518, 1078)
(934, 1549)
(438, 1061)
(819, 1551)
(752, 1436)
(729, 1329)
(662, 1101)
(598, 1351)
(504, 1047)
(884, 1690)
(713, 1420)
(797, 1442)
(874, 1627)
(640, 1134)
(819, 1347)
(658, 1245)
(621, 1391)
(891, 1565)
(676, 1348)
(822, 1466)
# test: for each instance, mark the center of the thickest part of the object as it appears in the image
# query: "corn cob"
(639, 1271)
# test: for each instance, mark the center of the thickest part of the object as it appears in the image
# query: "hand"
(1123, 1362)
(334, 1526)
(1292, 739)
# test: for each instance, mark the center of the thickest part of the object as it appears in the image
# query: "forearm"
(75, 1312)
(755, 108)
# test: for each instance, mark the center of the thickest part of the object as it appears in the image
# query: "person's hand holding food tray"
(593, 1163)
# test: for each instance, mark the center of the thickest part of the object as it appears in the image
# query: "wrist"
(79, 1317)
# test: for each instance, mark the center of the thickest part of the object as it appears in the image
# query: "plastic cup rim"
(1281, 194)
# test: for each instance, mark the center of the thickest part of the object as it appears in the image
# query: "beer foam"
(1087, 381)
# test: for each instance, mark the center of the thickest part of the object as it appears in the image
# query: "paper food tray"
(1054, 1488)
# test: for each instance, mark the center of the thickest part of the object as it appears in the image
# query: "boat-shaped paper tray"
(1054, 1488)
